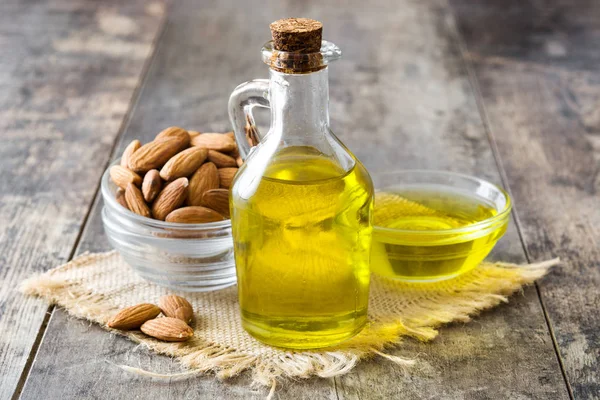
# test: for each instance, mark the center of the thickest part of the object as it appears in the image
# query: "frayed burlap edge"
(201, 357)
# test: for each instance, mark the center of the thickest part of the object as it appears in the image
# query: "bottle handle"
(244, 98)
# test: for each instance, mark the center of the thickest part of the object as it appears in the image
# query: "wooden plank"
(400, 99)
(96, 375)
(537, 66)
(67, 72)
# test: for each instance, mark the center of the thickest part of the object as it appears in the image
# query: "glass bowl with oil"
(434, 225)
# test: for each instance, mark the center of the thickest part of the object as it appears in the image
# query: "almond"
(170, 198)
(230, 134)
(135, 201)
(174, 131)
(184, 163)
(226, 176)
(214, 141)
(168, 329)
(194, 215)
(205, 178)
(122, 176)
(251, 132)
(133, 317)
(120, 197)
(221, 160)
(218, 200)
(239, 161)
(129, 150)
(193, 134)
(176, 307)
(151, 185)
(155, 154)
(234, 153)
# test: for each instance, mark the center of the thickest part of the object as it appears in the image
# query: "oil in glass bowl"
(431, 231)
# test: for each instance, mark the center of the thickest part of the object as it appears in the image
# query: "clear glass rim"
(109, 200)
(486, 223)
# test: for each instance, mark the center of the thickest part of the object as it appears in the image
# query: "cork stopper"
(296, 46)
(297, 35)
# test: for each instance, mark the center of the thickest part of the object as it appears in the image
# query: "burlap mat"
(95, 286)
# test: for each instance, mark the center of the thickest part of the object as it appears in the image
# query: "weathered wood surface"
(401, 98)
(68, 70)
(538, 68)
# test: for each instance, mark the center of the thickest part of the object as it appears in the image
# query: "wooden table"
(505, 90)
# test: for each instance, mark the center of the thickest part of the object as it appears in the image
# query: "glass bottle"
(301, 203)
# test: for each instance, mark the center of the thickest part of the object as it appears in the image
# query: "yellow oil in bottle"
(428, 235)
(302, 244)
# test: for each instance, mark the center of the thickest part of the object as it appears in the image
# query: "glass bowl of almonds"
(166, 208)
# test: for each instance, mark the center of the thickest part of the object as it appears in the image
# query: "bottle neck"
(299, 105)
